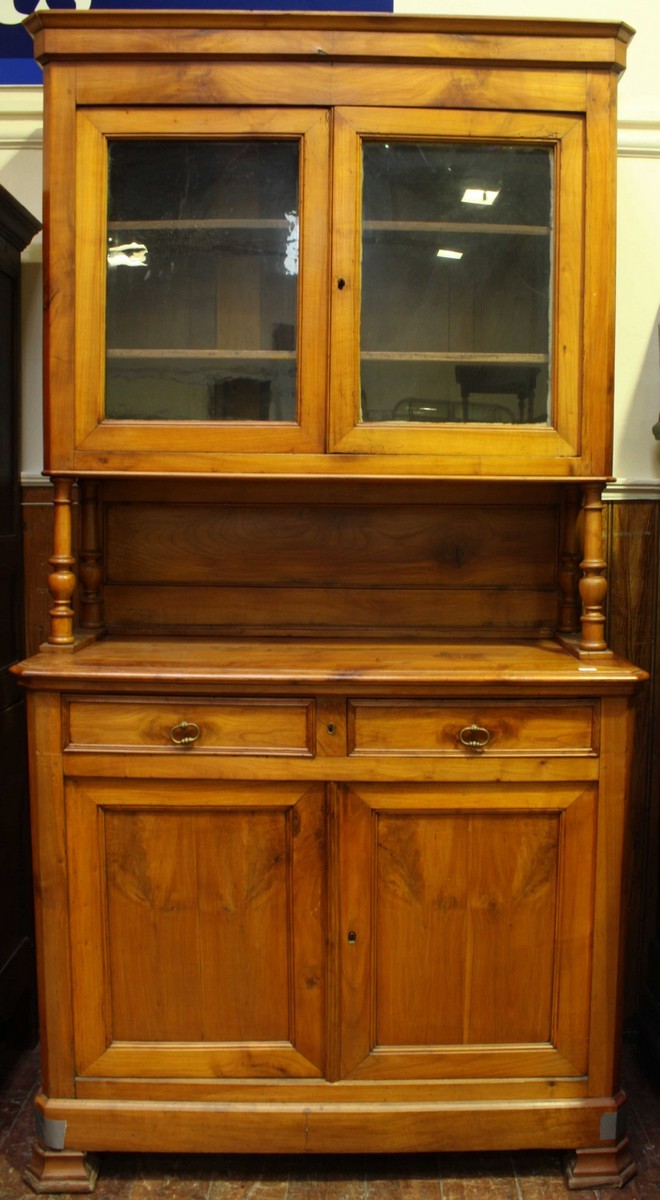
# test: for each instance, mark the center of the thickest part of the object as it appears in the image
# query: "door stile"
(333, 976)
(356, 948)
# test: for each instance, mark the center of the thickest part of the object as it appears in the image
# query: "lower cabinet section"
(456, 929)
(340, 959)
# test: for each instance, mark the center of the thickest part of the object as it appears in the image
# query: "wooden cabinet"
(330, 784)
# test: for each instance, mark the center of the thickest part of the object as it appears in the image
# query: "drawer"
(231, 726)
(472, 727)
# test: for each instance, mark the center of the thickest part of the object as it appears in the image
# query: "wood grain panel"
(384, 727)
(249, 566)
(462, 902)
(193, 929)
(200, 903)
(485, 612)
(472, 896)
(340, 83)
(331, 545)
(234, 726)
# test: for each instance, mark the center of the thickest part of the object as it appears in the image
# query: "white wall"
(637, 377)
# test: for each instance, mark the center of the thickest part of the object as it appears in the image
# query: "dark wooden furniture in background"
(332, 782)
(17, 966)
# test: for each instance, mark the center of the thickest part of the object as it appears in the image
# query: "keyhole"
(352, 936)
(341, 284)
(331, 727)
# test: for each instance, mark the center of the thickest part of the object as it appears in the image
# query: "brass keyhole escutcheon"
(475, 737)
(331, 727)
(185, 734)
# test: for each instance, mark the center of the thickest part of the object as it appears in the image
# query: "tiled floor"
(498, 1176)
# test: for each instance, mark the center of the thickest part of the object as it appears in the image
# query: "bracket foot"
(60, 1171)
(602, 1166)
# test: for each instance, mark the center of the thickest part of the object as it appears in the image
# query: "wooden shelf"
(204, 355)
(237, 223)
(454, 227)
(203, 224)
(449, 356)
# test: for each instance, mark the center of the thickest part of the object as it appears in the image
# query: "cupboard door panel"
(465, 313)
(461, 912)
(203, 918)
(201, 286)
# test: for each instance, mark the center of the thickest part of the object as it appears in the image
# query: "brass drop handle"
(475, 737)
(185, 734)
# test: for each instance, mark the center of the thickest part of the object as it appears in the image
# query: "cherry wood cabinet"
(330, 782)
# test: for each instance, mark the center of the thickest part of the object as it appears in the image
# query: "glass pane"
(202, 280)
(456, 283)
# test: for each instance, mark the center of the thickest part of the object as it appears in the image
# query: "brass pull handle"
(185, 734)
(475, 737)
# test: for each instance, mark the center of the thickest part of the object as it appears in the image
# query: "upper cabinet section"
(283, 243)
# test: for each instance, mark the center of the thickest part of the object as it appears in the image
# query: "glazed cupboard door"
(465, 923)
(201, 282)
(198, 911)
(457, 269)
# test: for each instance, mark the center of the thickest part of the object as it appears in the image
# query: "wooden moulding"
(326, 1127)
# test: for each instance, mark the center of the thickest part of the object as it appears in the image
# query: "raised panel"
(461, 899)
(471, 923)
(240, 726)
(525, 727)
(202, 912)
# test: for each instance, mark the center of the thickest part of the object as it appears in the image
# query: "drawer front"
(472, 727)
(232, 726)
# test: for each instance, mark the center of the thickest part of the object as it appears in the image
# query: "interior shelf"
(205, 355)
(450, 356)
(453, 227)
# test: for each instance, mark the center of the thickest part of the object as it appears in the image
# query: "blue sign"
(17, 64)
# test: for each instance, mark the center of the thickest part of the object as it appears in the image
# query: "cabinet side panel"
(51, 903)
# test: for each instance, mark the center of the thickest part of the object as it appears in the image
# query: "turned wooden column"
(62, 579)
(90, 568)
(593, 584)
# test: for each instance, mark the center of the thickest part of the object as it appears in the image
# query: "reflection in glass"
(456, 282)
(202, 280)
